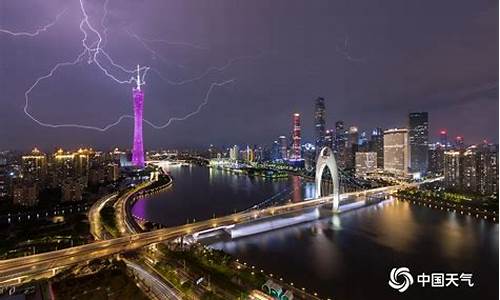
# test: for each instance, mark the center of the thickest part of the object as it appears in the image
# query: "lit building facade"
(396, 151)
(366, 162)
(34, 166)
(296, 137)
(452, 166)
(283, 144)
(377, 145)
(319, 123)
(138, 146)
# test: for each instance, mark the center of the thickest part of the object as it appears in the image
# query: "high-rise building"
(459, 143)
(436, 159)
(138, 147)
(34, 166)
(419, 141)
(329, 138)
(25, 193)
(443, 138)
(249, 154)
(319, 123)
(296, 136)
(234, 153)
(363, 145)
(366, 162)
(473, 170)
(283, 142)
(452, 170)
(396, 151)
(488, 169)
(377, 145)
(353, 138)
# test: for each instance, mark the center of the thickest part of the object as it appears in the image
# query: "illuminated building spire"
(138, 146)
(138, 79)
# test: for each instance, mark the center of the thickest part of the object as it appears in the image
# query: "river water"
(347, 256)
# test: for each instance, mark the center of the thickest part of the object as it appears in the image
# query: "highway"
(94, 216)
(158, 287)
(13, 271)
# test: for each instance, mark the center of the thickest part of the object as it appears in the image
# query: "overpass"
(18, 270)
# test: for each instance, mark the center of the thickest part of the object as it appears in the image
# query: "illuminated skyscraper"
(396, 152)
(319, 123)
(443, 138)
(296, 151)
(419, 141)
(377, 145)
(283, 144)
(138, 148)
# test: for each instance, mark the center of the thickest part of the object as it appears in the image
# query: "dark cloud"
(373, 61)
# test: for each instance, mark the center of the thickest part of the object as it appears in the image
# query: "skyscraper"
(419, 141)
(282, 140)
(339, 141)
(443, 138)
(436, 158)
(377, 145)
(296, 136)
(396, 152)
(319, 123)
(138, 147)
(452, 170)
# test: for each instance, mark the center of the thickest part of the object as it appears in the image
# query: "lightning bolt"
(169, 43)
(344, 50)
(37, 31)
(222, 68)
(93, 50)
(195, 112)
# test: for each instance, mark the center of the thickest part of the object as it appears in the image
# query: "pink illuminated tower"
(138, 149)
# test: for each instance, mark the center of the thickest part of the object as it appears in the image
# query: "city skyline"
(354, 63)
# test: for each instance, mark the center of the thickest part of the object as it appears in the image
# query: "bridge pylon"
(325, 159)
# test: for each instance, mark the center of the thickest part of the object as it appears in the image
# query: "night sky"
(373, 62)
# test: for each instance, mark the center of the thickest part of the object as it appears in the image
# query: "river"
(347, 256)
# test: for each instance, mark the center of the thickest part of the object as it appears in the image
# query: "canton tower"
(138, 148)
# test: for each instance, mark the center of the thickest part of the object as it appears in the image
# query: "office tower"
(338, 141)
(418, 125)
(234, 153)
(283, 142)
(138, 147)
(363, 145)
(377, 145)
(366, 162)
(329, 139)
(296, 136)
(436, 159)
(249, 155)
(396, 152)
(353, 138)
(319, 123)
(309, 155)
(459, 143)
(443, 138)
